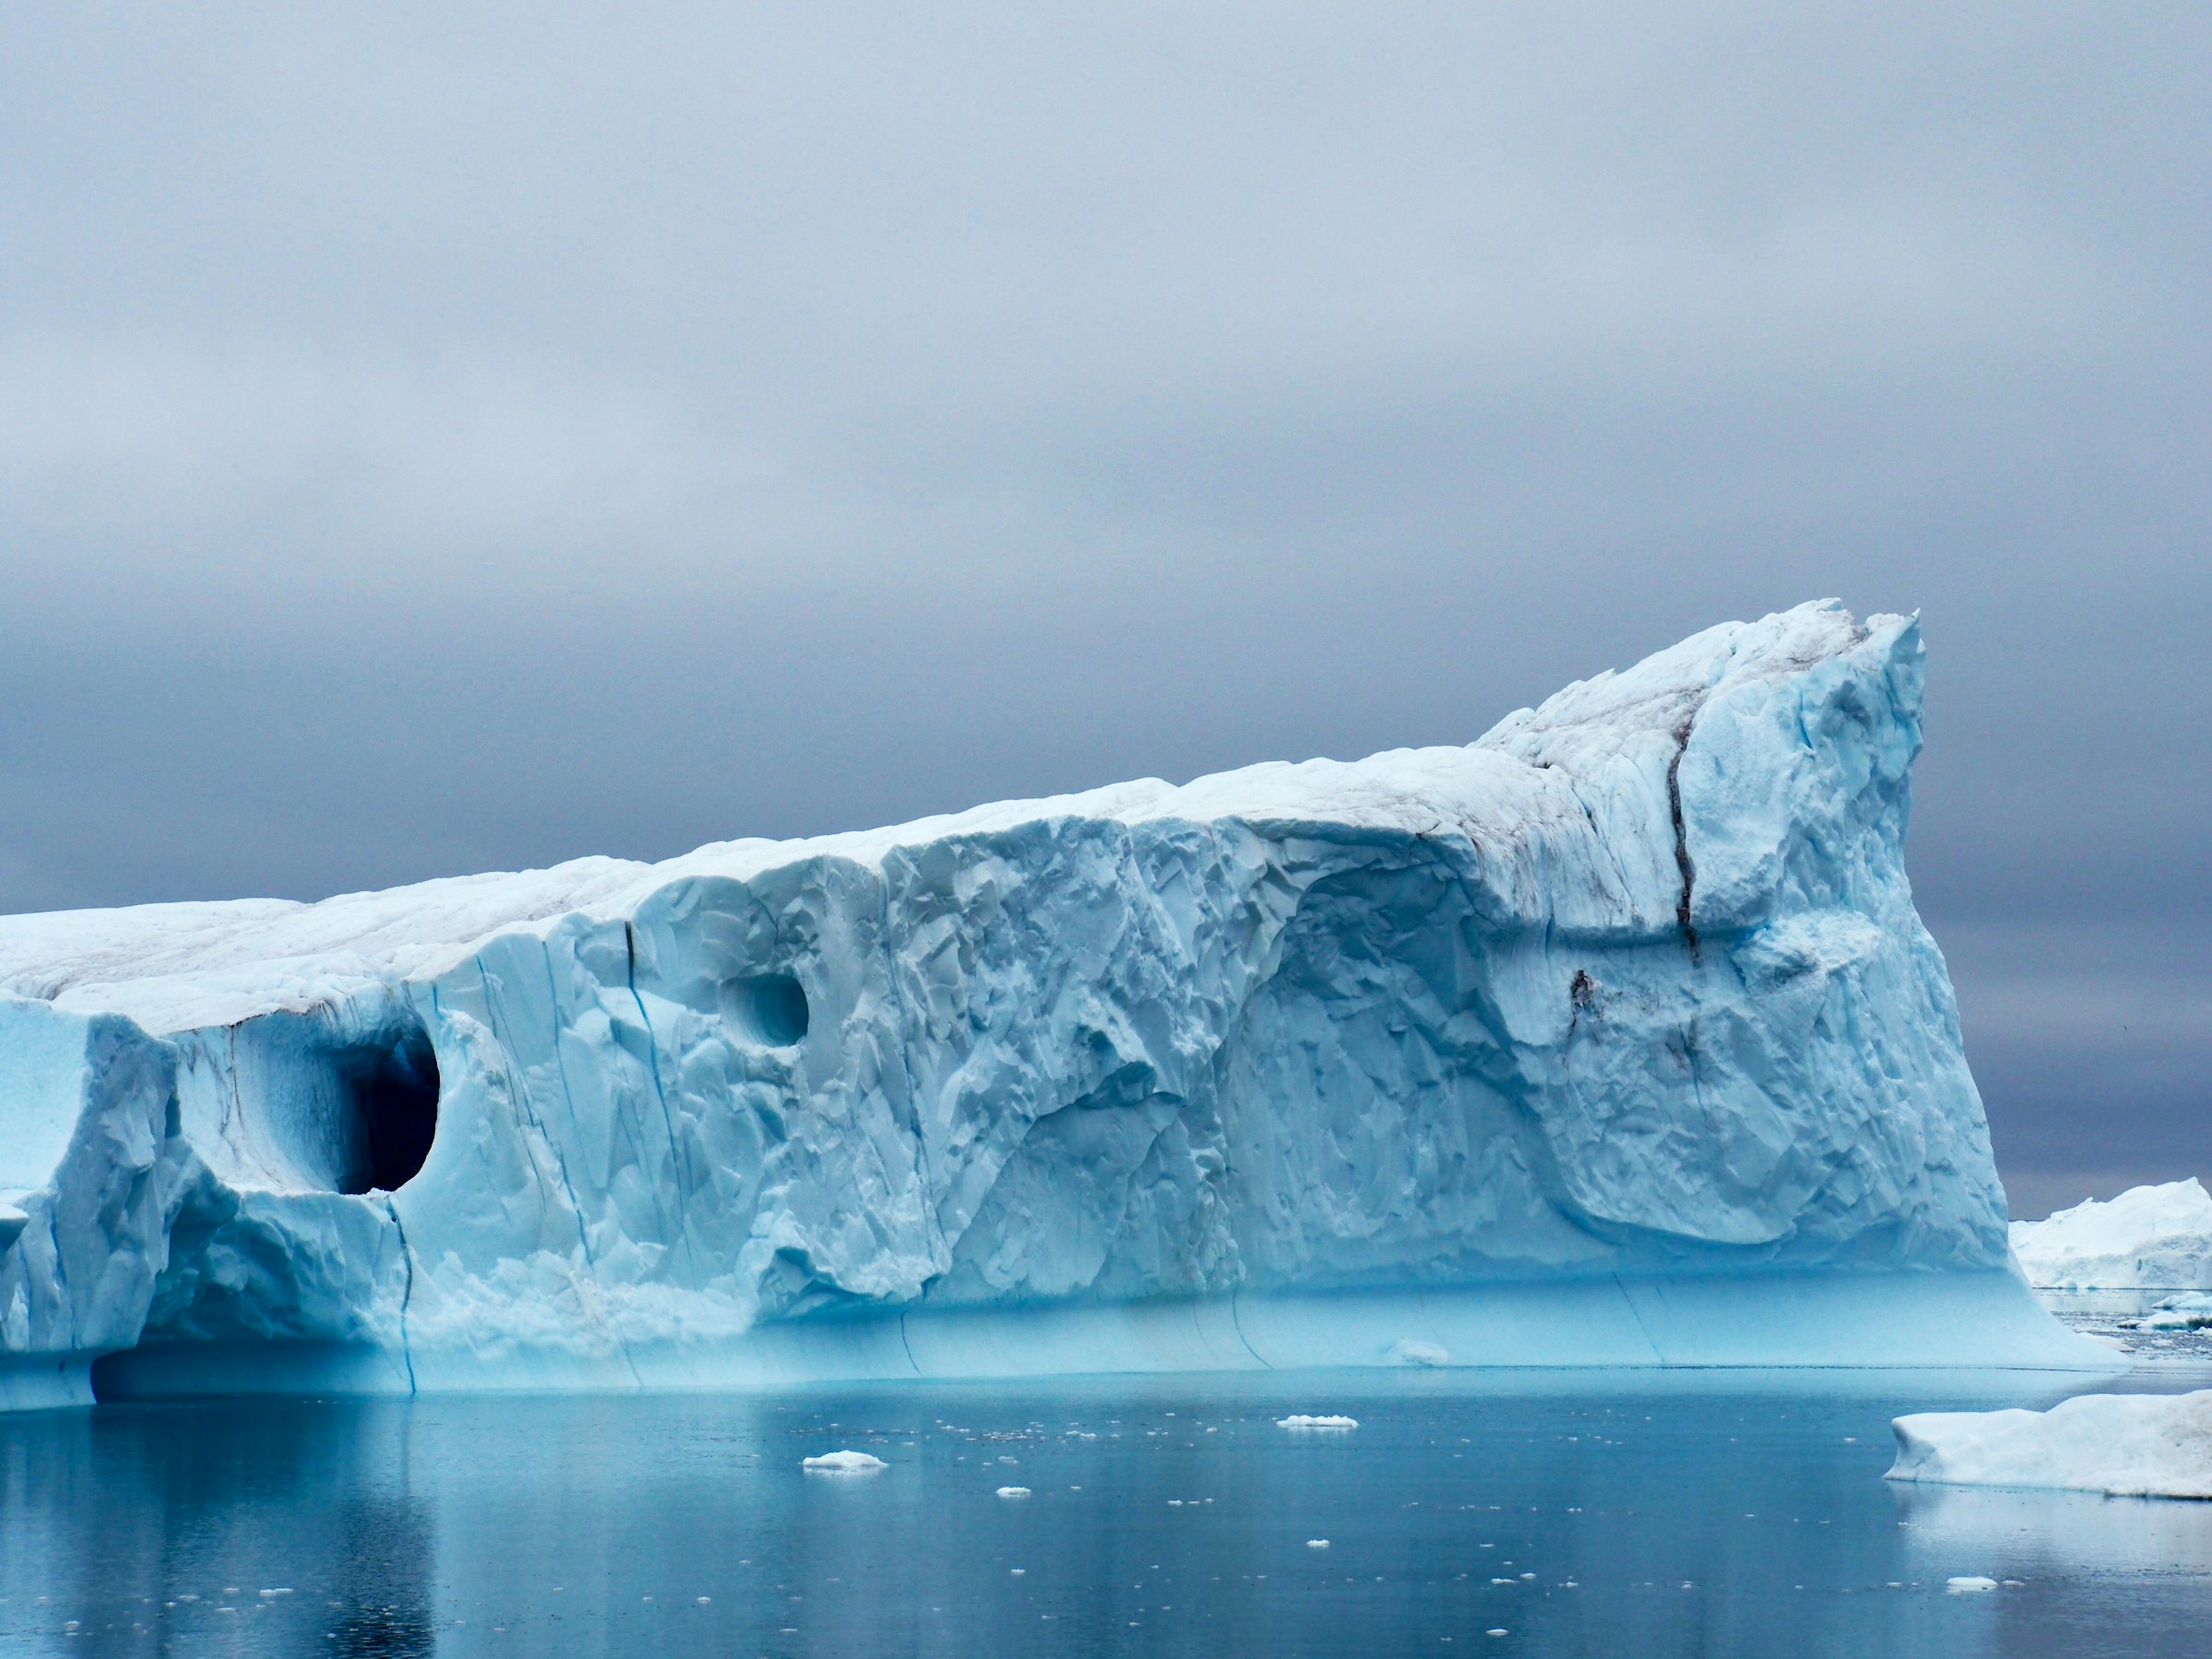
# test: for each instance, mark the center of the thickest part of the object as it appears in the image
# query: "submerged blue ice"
(1612, 1038)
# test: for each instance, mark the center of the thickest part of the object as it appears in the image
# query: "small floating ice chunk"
(1317, 1542)
(843, 1462)
(1301, 1420)
(1969, 1584)
(2175, 1319)
(1013, 1491)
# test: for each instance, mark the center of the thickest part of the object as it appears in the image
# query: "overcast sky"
(433, 442)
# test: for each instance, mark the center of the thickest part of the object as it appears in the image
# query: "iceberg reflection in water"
(1724, 1512)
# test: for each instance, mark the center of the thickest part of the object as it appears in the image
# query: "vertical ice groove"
(1682, 858)
(653, 1046)
(630, 1131)
(518, 1088)
(407, 1294)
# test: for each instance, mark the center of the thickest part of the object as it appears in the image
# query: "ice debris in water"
(1301, 1420)
(2173, 1319)
(845, 1462)
(2127, 1445)
(1969, 1584)
(1317, 1542)
(1013, 1491)
(1041, 1077)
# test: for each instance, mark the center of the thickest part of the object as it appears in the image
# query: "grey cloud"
(432, 441)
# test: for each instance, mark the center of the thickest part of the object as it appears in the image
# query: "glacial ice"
(2125, 1445)
(2149, 1238)
(1611, 1037)
(845, 1462)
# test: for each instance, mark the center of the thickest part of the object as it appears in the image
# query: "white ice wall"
(2149, 1238)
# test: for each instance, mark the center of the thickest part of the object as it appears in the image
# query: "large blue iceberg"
(1610, 1039)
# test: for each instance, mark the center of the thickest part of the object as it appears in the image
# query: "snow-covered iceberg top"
(2128, 1446)
(1627, 999)
(2149, 1238)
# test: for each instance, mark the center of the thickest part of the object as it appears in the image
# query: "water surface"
(1606, 1514)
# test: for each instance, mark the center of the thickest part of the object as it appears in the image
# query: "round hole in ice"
(392, 1090)
(769, 1007)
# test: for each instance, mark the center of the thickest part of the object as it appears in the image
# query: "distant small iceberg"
(2149, 1238)
(1299, 1420)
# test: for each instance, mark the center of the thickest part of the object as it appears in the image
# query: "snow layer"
(1610, 1038)
(2149, 1238)
(2127, 1445)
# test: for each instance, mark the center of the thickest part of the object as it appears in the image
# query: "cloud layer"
(432, 443)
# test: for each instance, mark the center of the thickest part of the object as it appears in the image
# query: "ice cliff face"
(1630, 990)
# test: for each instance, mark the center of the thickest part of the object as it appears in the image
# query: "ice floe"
(845, 1462)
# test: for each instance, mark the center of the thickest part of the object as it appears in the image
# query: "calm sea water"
(1610, 1514)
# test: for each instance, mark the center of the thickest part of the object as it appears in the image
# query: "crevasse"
(1611, 1037)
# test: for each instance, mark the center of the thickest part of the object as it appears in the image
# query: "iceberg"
(2124, 1445)
(2149, 1238)
(1611, 1037)
(843, 1462)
